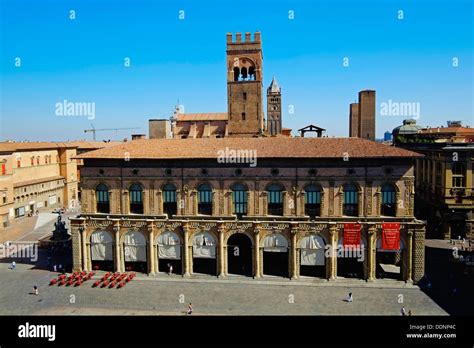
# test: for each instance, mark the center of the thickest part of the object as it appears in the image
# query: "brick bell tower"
(244, 86)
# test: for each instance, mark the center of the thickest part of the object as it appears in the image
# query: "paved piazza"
(160, 295)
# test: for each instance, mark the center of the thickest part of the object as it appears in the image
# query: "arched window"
(388, 200)
(102, 199)
(170, 206)
(350, 200)
(459, 171)
(205, 199)
(252, 73)
(244, 73)
(312, 206)
(236, 73)
(275, 200)
(239, 198)
(136, 199)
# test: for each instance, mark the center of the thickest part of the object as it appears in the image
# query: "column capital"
(372, 230)
(333, 230)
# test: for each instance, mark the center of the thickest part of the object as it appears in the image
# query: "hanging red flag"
(352, 234)
(391, 236)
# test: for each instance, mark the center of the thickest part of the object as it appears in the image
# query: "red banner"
(391, 236)
(352, 234)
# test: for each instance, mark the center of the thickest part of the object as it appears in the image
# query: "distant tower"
(354, 120)
(274, 108)
(244, 86)
(367, 114)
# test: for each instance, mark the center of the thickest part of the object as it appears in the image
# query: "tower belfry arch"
(244, 85)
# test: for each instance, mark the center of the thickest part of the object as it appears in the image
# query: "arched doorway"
(390, 263)
(312, 256)
(239, 254)
(135, 252)
(102, 251)
(275, 255)
(169, 252)
(204, 254)
(351, 259)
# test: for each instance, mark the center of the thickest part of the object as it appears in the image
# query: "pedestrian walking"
(55, 268)
(403, 311)
(170, 269)
(349, 298)
(409, 312)
(190, 308)
(13, 265)
(35, 290)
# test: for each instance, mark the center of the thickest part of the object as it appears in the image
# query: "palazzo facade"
(283, 208)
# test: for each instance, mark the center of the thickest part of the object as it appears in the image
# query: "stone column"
(186, 250)
(294, 260)
(256, 251)
(118, 259)
(409, 257)
(371, 253)
(76, 246)
(418, 261)
(221, 255)
(332, 269)
(85, 262)
(151, 249)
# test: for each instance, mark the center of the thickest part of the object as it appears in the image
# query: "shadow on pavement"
(448, 282)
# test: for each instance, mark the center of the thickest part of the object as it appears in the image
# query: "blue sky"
(82, 60)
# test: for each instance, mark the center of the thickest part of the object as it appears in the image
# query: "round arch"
(239, 254)
(135, 251)
(275, 255)
(101, 249)
(312, 255)
(204, 258)
(169, 246)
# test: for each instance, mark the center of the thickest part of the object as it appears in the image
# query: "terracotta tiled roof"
(279, 147)
(208, 116)
(34, 145)
(92, 145)
(441, 130)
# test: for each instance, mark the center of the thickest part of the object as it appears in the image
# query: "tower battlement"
(241, 41)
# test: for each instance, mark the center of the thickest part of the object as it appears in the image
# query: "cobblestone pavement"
(163, 295)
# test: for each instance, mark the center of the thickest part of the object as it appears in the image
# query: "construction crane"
(93, 130)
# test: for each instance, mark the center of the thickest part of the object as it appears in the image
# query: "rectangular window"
(4, 168)
(313, 203)
(243, 116)
(240, 202)
(245, 96)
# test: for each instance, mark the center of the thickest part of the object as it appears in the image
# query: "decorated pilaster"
(371, 253)
(186, 255)
(256, 251)
(418, 268)
(221, 255)
(294, 255)
(332, 259)
(118, 260)
(151, 249)
(84, 249)
(409, 257)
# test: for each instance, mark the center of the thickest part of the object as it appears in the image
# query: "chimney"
(138, 136)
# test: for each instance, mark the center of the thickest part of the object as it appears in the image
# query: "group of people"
(403, 311)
